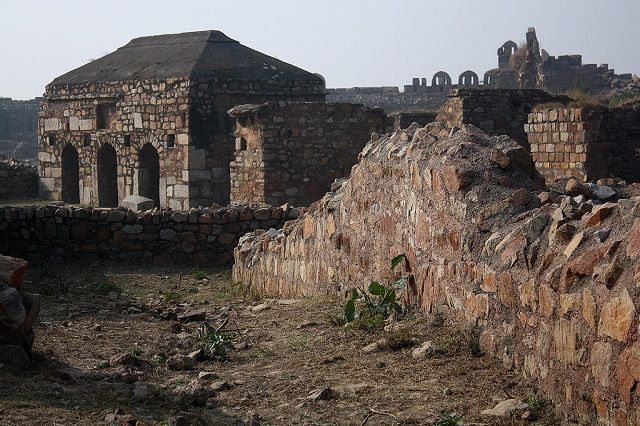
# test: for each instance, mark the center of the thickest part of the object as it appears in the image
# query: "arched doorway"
(107, 177)
(70, 175)
(149, 173)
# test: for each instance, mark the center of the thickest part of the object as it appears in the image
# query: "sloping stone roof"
(200, 54)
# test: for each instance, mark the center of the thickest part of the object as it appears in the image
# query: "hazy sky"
(349, 42)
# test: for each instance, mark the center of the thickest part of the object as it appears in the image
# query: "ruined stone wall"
(585, 143)
(402, 120)
(389, 100)
(17, 179)
(292, 152)
(548, 296)
(58, 234)
(149, 112)
(212, 128)
(495, 111)
(19, 127)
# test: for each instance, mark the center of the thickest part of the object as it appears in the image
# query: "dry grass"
(281, 363)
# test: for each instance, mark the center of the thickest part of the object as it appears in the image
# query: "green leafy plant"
(378, 300)
(452, 419)
(214, 342)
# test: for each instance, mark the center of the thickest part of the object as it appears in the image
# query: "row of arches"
(467, 78)
(148, 175)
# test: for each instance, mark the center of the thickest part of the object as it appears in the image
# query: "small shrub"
(517, 59)
(171, 297)
(537, 403)
(199, 275)
(106, 287)
(378, 300)
(625, 99)
(452, 419)
(214, 342)
(582, 99)
(367, 323)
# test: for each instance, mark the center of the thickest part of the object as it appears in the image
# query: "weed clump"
(368, 309)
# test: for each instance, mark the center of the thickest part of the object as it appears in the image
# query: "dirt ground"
(284, 350)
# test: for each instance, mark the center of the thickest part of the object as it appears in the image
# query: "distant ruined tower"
(530, 73)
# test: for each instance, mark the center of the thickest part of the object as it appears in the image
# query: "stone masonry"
(206, 235)
(553, 290)
(17, 179)
(495, 111)
(586, 143)
(150, 119)
(292, 152)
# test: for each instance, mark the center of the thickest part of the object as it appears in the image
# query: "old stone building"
(150, 119)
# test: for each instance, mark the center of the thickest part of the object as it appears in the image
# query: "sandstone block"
(616, 317)
(137, 203)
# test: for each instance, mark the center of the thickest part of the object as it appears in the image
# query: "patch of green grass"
(105, 287)
(171, 297)
(367, 323)
(135, 350)
(537, 403)
(452, 419)
(199, 275)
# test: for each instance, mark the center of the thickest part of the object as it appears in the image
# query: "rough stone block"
(137, 203)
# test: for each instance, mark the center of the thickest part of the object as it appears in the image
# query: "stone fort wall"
(292, 152)
(58, 234)
(546, 297)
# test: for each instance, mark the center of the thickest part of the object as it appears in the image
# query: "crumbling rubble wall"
(17, 179)
(292, 152)
(585, 143)
(58, 234)
(495, 111)
(553, 289)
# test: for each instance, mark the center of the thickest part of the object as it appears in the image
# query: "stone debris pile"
(18, 312)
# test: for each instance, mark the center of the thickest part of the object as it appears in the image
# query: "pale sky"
(349, 42)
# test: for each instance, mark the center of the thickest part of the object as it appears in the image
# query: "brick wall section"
(562, 311)
(17, 179)
(292, 152)
(58, 234)
(585, 143)
(495, 111)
